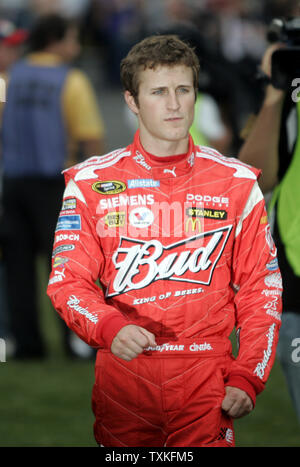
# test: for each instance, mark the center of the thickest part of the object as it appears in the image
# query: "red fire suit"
(182, 247)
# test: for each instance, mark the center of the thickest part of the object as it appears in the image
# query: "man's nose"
(173, 101)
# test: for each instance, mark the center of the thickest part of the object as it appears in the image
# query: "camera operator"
(273, 145)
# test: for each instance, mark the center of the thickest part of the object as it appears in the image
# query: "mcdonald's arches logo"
(193, 223)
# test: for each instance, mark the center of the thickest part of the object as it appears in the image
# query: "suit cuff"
(109, 327)
(250, 384)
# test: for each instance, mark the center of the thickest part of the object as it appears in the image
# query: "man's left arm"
(84, 121)
(257, 281)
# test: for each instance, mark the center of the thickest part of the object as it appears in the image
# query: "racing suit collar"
(163, 167)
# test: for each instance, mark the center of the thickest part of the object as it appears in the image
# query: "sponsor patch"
(270, 241)
(69, 203)
(194, 224)
(63, 237)
(141, 217)
(109, 187)
(139, 263)
(59, 260)
(274, 280)
(62, 248)
(115, 219)
(73, 303)
(261, 366)
(264, 220)
(180, 347)
(121, 200)
(139, 158)
(219, 214)
(55, 279)
(207, 199)
(273, 265)
(69, 223)
(143, 183)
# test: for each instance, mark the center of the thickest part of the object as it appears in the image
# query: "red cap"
(10, 35)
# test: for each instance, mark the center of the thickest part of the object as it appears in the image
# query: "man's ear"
(130, 101)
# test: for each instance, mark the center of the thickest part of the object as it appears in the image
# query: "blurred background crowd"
(230, 38)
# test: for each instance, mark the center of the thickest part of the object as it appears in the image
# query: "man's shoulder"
(88, 169)
(225, 164)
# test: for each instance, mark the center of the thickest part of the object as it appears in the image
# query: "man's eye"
(183, 90)
(158, 91)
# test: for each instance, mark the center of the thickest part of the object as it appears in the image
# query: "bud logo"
(139, 263)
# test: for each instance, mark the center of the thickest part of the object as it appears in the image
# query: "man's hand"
(273, 95)
(236, 403)
(130, 341)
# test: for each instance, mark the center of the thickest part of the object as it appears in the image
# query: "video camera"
(285, 63)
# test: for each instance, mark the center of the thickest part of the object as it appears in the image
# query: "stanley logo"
(219, 214)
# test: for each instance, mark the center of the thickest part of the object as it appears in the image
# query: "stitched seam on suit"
(133, 413)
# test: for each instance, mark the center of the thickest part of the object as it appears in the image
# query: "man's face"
(69, 46)
(165, 106)
(8, 56)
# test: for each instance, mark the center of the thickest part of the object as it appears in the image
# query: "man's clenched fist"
(130, 341)
(236, 403)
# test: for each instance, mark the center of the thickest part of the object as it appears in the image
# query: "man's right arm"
(261, 146)
(78, 261)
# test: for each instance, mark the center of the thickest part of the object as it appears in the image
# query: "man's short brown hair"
(153, 51)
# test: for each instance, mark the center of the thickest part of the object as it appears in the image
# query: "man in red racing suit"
(182, 248)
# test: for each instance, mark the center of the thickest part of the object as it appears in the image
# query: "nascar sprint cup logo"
(139, 263)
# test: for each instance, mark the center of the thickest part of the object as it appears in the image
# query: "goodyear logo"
(219, 214)
(115, 219)
(109, 187)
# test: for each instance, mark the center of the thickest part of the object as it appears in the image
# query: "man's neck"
(164, 148)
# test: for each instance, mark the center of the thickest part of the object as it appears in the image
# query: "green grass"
(48, 403)
(273, 422)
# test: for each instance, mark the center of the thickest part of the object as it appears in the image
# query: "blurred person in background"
(50, 119)
(273, 144)
(11, 46)
(117, 25)
(235, 31)
(71, 9)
